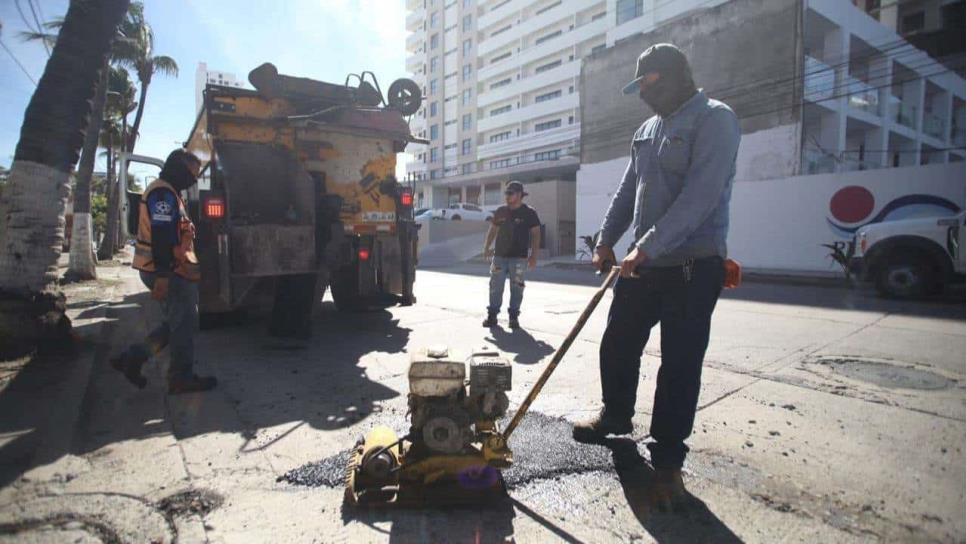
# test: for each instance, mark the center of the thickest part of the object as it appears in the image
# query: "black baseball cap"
(661, 58)
(515, 187)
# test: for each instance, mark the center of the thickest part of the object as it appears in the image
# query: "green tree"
(35, 200)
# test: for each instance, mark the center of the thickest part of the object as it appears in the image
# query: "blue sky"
(320, 39)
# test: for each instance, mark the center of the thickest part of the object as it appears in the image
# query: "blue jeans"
(683, 306)
(501, 269)
(177, 329)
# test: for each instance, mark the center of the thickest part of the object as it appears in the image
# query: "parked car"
(465, 210)
(911, 257)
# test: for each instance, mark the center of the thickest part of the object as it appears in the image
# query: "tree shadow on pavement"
(693, 521)
(60, 406)
(527, 350)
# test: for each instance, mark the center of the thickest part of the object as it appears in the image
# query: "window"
(434, 20)
(467, 72)
(467, 3)
(434, 133)
(467, 146)
(501, 83)
(467, 47)
(502, 163)
(600, 15)
(450, 122)
(597, 48)
(629, 9)
(467, 121)
(449, 147)
(433, 109)
(500, 31)
(502, 109)
(467, 95)
(913, 22)
(434, 174)
(547, 96)
(434, 41)
(498, 58)
(468, 168)
(433, 64)
(467, 22)
(547, 155)
(500, 137)
(433, 154)
(432, 86)
(550, 36)
(547, 125)
(548, 66)
(548, 8)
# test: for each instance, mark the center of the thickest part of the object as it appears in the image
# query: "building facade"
(829, 98)
(204, 76)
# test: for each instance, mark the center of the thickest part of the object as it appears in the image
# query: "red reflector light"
(363, 254)
(214, 208)
(406, 198)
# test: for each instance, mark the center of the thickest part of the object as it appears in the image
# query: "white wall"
(780, 224)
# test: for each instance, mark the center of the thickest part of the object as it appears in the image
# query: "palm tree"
(137, 52)
(120, 102)
(35, 200)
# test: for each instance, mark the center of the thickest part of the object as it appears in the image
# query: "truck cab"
(910, 258)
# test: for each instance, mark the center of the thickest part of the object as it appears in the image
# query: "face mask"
(666, 95)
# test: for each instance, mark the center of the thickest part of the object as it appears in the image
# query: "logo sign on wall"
(853, 207)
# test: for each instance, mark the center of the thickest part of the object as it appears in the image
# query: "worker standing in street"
(516, 230)
(165, 256)
(676, 193)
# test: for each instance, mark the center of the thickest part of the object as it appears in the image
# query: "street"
(826, 415)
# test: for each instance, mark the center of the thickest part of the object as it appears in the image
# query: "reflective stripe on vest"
(186, 264)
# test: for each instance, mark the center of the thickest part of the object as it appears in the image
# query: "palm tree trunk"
(106, 251)
(35, 199)
(132, 138)
(81, 265)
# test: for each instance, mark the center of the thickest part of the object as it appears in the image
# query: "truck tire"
(344, 284)
(907, 275)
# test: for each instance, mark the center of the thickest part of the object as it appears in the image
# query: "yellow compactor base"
(434, 480)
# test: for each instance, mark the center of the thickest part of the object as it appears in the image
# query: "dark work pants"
(177, 328)
(683, 307)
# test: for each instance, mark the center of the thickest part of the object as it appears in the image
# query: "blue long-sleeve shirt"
(677, 186)
(165, 217)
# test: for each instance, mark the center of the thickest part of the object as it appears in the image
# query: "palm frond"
(47, 38)
(165, 65)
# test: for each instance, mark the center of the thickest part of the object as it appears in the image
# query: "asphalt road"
(826, 414)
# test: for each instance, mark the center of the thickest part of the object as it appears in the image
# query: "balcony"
(567, 133)
(494, 16)
(819, 80)
(902, 113)
(414, 21)
(561, 73)
(535, 24)
(565, 41)
(861, 95)
(414, 62)
(415, 41)
(934, 125)
(564, 103)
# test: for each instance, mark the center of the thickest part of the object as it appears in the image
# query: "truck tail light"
(215, 208)
(363, 254)
(406, 198)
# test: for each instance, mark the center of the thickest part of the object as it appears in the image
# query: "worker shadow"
(691, 521)
(267, 391)
(526, 349)
(489, 522)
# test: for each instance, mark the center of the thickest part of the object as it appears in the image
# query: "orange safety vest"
(185, 260)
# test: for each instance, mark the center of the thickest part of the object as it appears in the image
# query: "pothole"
(890, 374)
(194, 501)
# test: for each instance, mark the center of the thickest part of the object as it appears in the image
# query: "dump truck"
(298, 194)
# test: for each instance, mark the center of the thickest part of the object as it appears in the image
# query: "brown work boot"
(193, 384)
(597, 428)
(667, 491)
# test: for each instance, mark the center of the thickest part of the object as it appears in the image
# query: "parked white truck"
(911, 257)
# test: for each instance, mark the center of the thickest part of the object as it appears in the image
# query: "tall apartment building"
(204, 76)
(501, 99)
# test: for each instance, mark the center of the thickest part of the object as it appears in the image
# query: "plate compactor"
(454, 450)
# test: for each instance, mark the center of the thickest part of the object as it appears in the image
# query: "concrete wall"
(554, 201)
(780, 224)
(734, 49)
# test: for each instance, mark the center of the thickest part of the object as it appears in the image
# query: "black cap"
(661, 58)
(515, 187)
